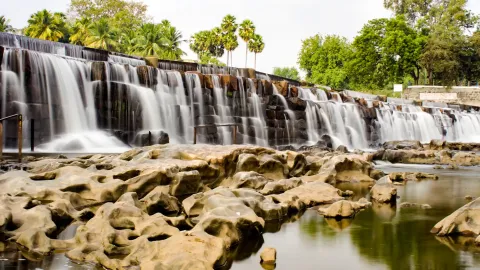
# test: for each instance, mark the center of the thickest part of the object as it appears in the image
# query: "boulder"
(414, 205)
(185, 183)
(403, 145)
(159, 201)
(268, 256)
(411, 176)
(251, 180)
(280, 186)
(438, 145)
(343, 209)
(464, 221)
(384, 191)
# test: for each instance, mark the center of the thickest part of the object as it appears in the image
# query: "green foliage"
(4, 25)
(80, 31)
(325, 60)
(256, 45)
(206, 59)
(46, 25)
(121, 14)
(206, 42)
(102, 36)
(287, 72)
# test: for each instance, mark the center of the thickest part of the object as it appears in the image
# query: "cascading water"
(223, 111)
(341, 121)
(257, 116)
(290, 120)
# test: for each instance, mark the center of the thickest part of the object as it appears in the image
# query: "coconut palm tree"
(256, 45)
(128, 41)
(229, 27)
(150, 40)
(246, 32)
(47, 26)
(81, 31)
(172, 39)
(4, 25)
(102, 36)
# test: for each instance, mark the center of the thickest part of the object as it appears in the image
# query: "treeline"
(123, 26)
(116, 25)
(425, 42)
(209, 45)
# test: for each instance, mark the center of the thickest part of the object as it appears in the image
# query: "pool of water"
(381, 237)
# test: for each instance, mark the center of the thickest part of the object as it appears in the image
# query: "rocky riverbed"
(177, 206)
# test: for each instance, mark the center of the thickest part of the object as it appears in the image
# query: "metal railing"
(19, 134)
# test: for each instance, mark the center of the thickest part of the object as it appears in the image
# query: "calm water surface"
(381, 237)
(384, 236)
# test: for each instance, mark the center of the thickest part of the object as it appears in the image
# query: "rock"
(251, 180)
(310, 194)
(343, 209)
(438, 167)
(268, 256)
(411, 176)
(438, 145)
(185, 183)
(376, 174)
(403, 145)
(452, 167)
(384, 191)
(247, 162)
(468, 197)
(280, 186)
(464, 221)
(159, 201)
(342, 149)
(414, 205)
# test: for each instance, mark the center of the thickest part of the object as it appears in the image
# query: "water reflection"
(383, 236)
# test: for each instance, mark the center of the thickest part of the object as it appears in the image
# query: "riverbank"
(176, 205)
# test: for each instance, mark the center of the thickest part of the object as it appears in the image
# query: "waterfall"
(290, 120)
(222, 110)
(257, 116)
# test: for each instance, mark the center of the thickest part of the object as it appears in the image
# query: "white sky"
(282, 23)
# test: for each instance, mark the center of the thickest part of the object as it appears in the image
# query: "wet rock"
(310, 194)
(453, 167)
(469, 197)
(343, 209)
(247, 162)
(268, 256)
(342, 149)
(464, 221)
(384, 191)
(411, 176)
(403, 145)
(376, 174)
(438, 145)
(251, 180)
(185, 183)
(280, 186)
(438, 167)
(159, 201)
(414, 205)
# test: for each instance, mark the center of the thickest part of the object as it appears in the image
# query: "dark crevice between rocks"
(158, 237)
(127, 175)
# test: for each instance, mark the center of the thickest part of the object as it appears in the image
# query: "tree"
(287, 72)
(47, 26)
(256, 45)
(80, 31)
(207, 58)
(246, 32)
(441, 61)
(150, 40)
(102, 36)
(128, 42)
(229, 27)
(172, 38)
(121, 14)
(325, 59)
(4, 25)
(207, 42)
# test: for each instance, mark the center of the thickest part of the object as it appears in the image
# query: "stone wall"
(465, 95)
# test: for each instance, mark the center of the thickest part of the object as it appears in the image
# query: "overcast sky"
(282, 23)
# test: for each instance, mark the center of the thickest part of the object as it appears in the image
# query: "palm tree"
(47, 26)
(81, 31)
(231, 43)
(4, 25)
(150, 40)
(102, 36)
(229, 27)
(256, 45)
(172, 38)
(128, 41)
(246, 32)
